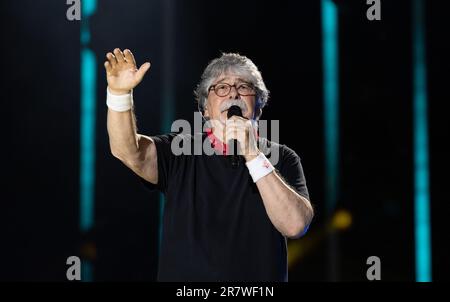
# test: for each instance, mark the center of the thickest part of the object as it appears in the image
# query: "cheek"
(217, 103)
(251, 106)
(213, 107)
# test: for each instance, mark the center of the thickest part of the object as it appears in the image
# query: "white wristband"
(259, 167)
(120, 103)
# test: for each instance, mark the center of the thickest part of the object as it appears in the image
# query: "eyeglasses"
(223, 89)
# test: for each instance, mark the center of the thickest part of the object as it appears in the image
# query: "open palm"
(121, 71)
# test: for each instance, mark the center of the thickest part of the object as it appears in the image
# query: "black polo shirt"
(215, 226)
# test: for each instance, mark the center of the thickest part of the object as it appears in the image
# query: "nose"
(234, 93)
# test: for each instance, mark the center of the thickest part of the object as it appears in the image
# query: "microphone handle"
(235, 157)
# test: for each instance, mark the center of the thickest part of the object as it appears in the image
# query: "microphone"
(234, 158)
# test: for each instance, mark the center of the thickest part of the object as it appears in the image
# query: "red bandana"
(216, 143)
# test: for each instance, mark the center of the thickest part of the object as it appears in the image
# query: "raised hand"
(122, 73)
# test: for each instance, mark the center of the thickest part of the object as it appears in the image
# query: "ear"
(257, 113)
(258, 110)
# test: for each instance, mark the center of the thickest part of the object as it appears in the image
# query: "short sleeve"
(165, 162)
(292, 171)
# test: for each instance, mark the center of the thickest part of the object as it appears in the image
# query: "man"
(222, 221)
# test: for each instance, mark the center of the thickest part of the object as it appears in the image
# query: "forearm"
(123, 137)
(289, 212)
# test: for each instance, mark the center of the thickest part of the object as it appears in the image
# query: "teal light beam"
(331, 99)
(87, 139)
(88, 80)
(331, 123)
(421, 164)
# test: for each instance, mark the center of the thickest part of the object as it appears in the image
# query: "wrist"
(259, 167)
(251, 156)
(119, 103)
(118, 91)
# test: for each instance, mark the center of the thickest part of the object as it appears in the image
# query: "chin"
(223, 117)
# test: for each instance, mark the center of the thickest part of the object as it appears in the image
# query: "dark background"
(41, 127)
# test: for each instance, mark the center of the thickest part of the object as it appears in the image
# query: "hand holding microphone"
(240, 130)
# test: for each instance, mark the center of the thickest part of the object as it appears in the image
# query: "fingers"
(239, 122)
(111, 59)
(108, 67)
(242, 131)
(235, 129)
(119, 55)
(141, 72)
(238, 128)
(239, 134)
(123, 66)
(237, 118)
(129, 57)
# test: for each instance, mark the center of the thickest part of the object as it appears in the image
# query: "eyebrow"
(239, 80)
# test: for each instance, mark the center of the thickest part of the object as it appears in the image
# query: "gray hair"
(236, 64)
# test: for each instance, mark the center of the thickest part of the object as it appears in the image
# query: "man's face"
(216, 107)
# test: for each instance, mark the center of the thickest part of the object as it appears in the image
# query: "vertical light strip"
(87, 139)
(331, 95)
(87, 128)
(331, 122)
(167, 107)
(421, 174)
